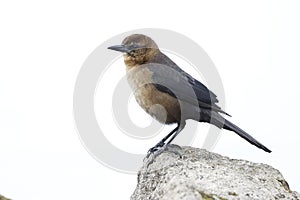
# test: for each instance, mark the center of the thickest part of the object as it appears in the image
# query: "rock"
(200, 174)
(3, 198)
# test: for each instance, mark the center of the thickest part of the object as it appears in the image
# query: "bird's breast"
(159, 105)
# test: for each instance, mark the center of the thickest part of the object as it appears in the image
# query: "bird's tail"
(232, 127)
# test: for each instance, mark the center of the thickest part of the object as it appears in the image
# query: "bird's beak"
(120, 48)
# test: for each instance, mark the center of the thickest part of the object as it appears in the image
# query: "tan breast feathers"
(161, 106)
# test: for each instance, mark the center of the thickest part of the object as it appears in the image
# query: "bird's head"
(137, 49)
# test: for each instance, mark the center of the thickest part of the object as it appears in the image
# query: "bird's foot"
(156, 151)
(174, 148)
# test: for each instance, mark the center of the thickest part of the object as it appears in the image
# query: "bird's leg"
(179, 129)
(173, 147)
(162, 142)
(166, 147)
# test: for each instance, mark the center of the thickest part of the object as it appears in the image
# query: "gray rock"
(3, 198)
(200, 174)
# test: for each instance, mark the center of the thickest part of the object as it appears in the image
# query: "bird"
(168, 93)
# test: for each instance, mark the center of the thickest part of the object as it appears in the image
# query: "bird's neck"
(132, 62)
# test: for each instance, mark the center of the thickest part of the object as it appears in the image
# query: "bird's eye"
(134, 46)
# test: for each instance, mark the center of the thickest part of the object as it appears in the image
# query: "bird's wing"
(169, 78)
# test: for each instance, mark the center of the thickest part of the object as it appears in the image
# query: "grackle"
(168, 93)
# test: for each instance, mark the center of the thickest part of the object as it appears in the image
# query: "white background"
(254, 44)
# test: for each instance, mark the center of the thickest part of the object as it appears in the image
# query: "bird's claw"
(155, 148)
(158, 149)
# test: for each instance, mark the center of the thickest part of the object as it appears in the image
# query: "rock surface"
(200, 174)
(3, 198)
